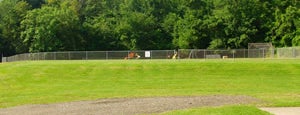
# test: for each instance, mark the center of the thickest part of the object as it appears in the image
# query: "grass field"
(226, 110)
(274, 81)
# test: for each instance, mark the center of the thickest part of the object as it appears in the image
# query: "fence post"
(204, 54)
(273, 53)
(86, 55)
(151, 54)
(44, 56)
(263, 53)
(248, 56)
(54, 55)
(106, 55)
(69, 55)
(244, 53)
(178, 54)
(277, 52)
(233, 55)
(294, 53)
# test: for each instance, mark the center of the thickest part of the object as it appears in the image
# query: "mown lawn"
(225, 110)
(274, 81)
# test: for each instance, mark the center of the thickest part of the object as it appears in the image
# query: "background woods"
(60, 25)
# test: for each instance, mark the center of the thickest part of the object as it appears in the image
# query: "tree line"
(75, 25)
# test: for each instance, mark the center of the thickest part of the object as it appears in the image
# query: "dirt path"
(127, 106)
(282, 110)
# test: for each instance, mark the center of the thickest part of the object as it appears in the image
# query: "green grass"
(274, 81)
(226, 110)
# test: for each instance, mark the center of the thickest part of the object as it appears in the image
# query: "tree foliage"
(51, 29)
(12, 12)
(60, 25)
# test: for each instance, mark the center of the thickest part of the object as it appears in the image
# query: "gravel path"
(282, 110)
(127, 106)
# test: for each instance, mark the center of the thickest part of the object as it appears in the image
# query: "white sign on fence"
(147, 54)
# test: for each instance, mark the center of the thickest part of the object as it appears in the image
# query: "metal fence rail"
(218, 54)
(91, 55)
(289, 52)
(159, 54)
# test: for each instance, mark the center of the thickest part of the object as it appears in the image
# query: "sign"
(147, 54)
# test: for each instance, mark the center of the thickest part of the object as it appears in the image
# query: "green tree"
(191, 29)
(52, 29)
(58, 25)
(236, 23)
(100, 19)
(12, 12)
(284, 30)
(35, 3)
(245, 23)
(139, 28)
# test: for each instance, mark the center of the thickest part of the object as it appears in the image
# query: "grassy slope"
(275, 81)
(226, 110)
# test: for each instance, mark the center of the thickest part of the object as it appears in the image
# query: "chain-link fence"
(93, 55)
(159, 54)
(218, 54)
(289, 52)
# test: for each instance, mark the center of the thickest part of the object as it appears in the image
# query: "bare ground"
(127, 106)
(282, 110)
